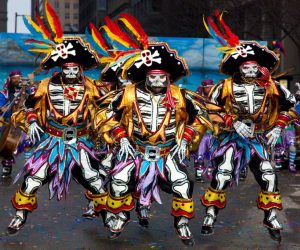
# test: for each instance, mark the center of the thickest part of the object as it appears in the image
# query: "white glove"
(273, 136)
(242, 129)
(34, 132)
(126, 149)
(180, 150)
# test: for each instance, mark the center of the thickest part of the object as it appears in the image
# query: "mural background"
(200, 53)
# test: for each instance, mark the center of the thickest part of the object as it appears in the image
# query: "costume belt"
(69, 131)
(154, 150)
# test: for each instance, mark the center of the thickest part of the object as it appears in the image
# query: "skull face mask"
(71, 73)
(157, 79)
(249, 69)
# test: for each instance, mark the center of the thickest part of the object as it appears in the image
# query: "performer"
(286, 143)
(256, 110)
(9, 98)
(204, 150)
(153, 122)
(58, 113)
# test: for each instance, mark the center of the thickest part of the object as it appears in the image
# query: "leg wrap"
(268, 200)
(214, 197)
(119, 204)
(183, 207)
(99, 200)
(23, 201)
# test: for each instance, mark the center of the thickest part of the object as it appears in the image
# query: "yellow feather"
(36, 27)
(41, 50)
(128, 63)
(106, 59)
(205, 25)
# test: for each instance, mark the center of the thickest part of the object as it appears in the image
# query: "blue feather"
(95, 46)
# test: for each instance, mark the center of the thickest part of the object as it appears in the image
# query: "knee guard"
(183, 207)
(214, 197)
(119, 204)
(23, 201)
(99, 200)
(268, 200)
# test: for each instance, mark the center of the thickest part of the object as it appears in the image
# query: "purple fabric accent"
(204, 149)
(56, 185)
(148, 186)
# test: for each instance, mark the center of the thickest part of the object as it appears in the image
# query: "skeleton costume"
(113, 52)
(57, 115)
(148, 120)
(256, 110)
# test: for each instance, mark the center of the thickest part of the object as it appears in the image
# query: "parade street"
(59, 225)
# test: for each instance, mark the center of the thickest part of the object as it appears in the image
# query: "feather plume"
(54, 22)
(133, 28)
(221, 32)
(118, 35)
(34, 29)
(95, 42)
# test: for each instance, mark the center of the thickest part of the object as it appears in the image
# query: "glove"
(34, 132)
(180, 150)
(242, 129)
(273, 136)
(125, 148)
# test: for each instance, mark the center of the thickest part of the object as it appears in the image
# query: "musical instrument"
(11, 137)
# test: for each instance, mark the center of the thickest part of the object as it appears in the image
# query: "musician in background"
(8, 95)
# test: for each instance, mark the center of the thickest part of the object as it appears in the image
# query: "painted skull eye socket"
(162, 76)
(152, 77)
(143, 54)
(147, 53)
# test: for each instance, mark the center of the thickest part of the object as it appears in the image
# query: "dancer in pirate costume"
(256, 110)
(10, 98)
(153, 123)
(57, 114)
(113, 51)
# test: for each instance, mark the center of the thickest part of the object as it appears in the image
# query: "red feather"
(99, 37)
(56, 21)
(114, 28)
(42, 25)
(231, 38)
(37, 41)
(215, 28)
(143, 36)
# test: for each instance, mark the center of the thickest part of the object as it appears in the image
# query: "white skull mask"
(249, 69)
(157, 80)
(71, 72)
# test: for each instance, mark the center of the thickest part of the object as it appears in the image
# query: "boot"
(17, 222)
(117, 223)
(209, 221)
(143, 214)
(243, 174)
(273, 225)
(183, 231)
(90, 211)
(292, 168)
(7, 168)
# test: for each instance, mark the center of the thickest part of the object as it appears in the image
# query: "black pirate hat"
(249, 51)
(236, 52)
(158, 56)
(59, 50)
(71, 50)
